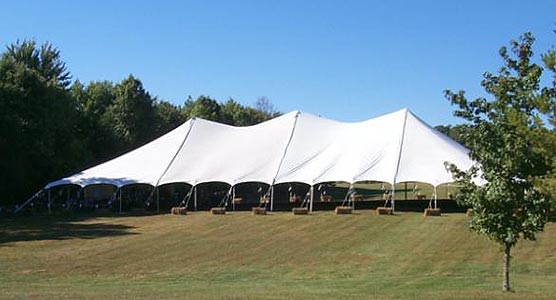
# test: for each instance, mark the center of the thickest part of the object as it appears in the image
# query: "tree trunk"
(506, 283)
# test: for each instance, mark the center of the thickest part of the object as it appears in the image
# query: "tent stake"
(311, 199)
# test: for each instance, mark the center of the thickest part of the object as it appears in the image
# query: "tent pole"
(67, 197)
(78, 195)
(49, 200)
(393, 197)
(311, 191)
(195, 197)
(157, 200)
(352, 196)
(435, 198)
(405, 190)
(271, 197)
(233, 197)
(18, 208)
(121, 199)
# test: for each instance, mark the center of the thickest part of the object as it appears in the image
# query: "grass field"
(278, 256)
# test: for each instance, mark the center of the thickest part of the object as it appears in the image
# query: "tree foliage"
(40, 131)
(509, 139)
(168, 117)
(132, 113)
(230, 112)
(458, 133)
(45, 60)
(204, 107)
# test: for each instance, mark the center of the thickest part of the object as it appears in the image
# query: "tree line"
(52, 126)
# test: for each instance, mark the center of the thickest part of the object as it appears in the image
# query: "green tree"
(168, 116)
(40, 131)
(236, 114)
(204, 107)
(132, 114)
(514, 148)
(94, 101)
(45, 60)
(458, 132)
(230, 112)
(95, 98)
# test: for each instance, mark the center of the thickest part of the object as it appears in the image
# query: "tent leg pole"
(157, 200)
(435, 198)
(49, 201)
(121, 200)
(311, 199)
(233, 197)
(67, 198)
(195, 197)
(271, 197)
(78, 195)
(393, 197)
(352, 197)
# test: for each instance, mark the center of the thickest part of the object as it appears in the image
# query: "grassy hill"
(279, 256)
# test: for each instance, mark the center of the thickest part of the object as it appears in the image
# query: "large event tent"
(295, 147)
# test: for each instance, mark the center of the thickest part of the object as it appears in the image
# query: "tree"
(236, 114)
(40, 131)
(168, 117)
(94, 101)
(45, 60)
(132, 115)
(264, 105)
(95, 98)
(457, 132)
(204, 107)
(230, 112)
(513, 148)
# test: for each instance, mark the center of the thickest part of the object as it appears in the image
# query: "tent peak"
(404, 110)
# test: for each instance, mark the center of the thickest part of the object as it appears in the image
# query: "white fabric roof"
(295, 147)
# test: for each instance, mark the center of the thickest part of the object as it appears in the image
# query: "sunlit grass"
(279, 256)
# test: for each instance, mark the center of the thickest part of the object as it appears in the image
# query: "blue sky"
(346, 60)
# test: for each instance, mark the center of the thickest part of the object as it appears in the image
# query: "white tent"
(295, 147)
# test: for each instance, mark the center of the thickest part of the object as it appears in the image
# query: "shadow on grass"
(45, 227)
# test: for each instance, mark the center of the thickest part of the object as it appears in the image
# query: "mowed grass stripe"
(278, 256)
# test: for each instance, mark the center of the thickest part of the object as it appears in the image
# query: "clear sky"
(346, 60)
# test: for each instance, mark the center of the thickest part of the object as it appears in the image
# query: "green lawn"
(279, 256)
(404, 191)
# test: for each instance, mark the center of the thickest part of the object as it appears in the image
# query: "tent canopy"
(295, 147)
